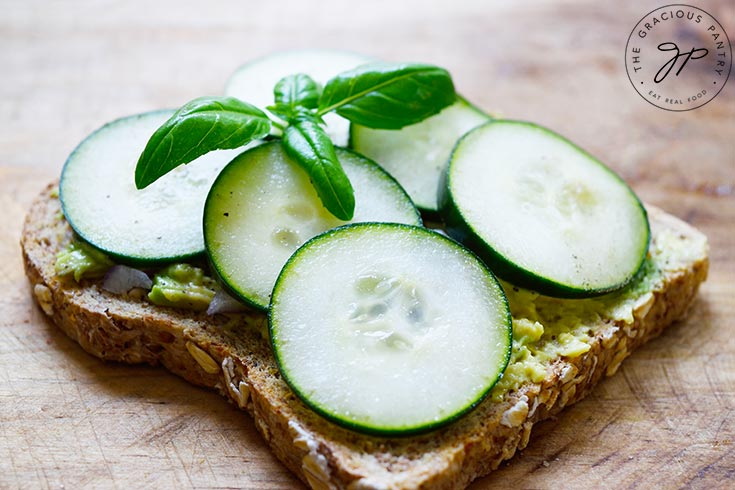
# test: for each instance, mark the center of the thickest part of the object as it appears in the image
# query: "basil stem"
(388, 95)
(306, 142)
(200, 126)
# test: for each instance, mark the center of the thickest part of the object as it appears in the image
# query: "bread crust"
(231, 354)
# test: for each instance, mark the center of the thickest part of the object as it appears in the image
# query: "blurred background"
(71, 66)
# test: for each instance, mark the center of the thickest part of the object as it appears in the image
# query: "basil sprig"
(376, 95)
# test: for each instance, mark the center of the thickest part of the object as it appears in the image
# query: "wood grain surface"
(67, 420)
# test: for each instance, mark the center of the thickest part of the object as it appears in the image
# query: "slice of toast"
(231, 354)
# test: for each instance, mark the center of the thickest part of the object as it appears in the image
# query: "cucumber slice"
(263, 207)
(161, 223)
(543, 213)
(389, 329)
(417, 155)
(254, 81)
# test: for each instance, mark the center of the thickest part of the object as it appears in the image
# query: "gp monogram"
(678, 57)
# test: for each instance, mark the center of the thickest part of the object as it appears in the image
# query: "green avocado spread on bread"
(182, 286)
(82, 261)
(543, 327)
(177, 285)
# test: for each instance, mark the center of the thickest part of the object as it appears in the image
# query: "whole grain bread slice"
(231, 354)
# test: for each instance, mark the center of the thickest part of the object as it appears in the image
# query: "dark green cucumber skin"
(133, 261)
(428, 214)
(459, 229)
(381, 431)
(217, 273)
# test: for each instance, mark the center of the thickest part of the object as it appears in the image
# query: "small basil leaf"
(307, 143)
(200, 126)
(297, 90)
(388, 95)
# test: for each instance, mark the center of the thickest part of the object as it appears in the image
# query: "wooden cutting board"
(67, 420)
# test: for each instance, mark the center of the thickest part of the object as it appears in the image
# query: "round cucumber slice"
(161, 223)
(389, 329)
(543, 213)
(262, 207)
(254, 81)
(417, 155)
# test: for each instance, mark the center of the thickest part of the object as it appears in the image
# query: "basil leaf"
(388, 95)
(307, 143)
(297, 90)
(295, 95)
(200, 126)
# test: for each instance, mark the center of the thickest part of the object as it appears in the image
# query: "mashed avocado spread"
(178, 285)
(182, 286)
(543, 327)
(82, 261)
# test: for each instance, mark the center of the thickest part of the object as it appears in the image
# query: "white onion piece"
(224, 303)
(120, 279)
